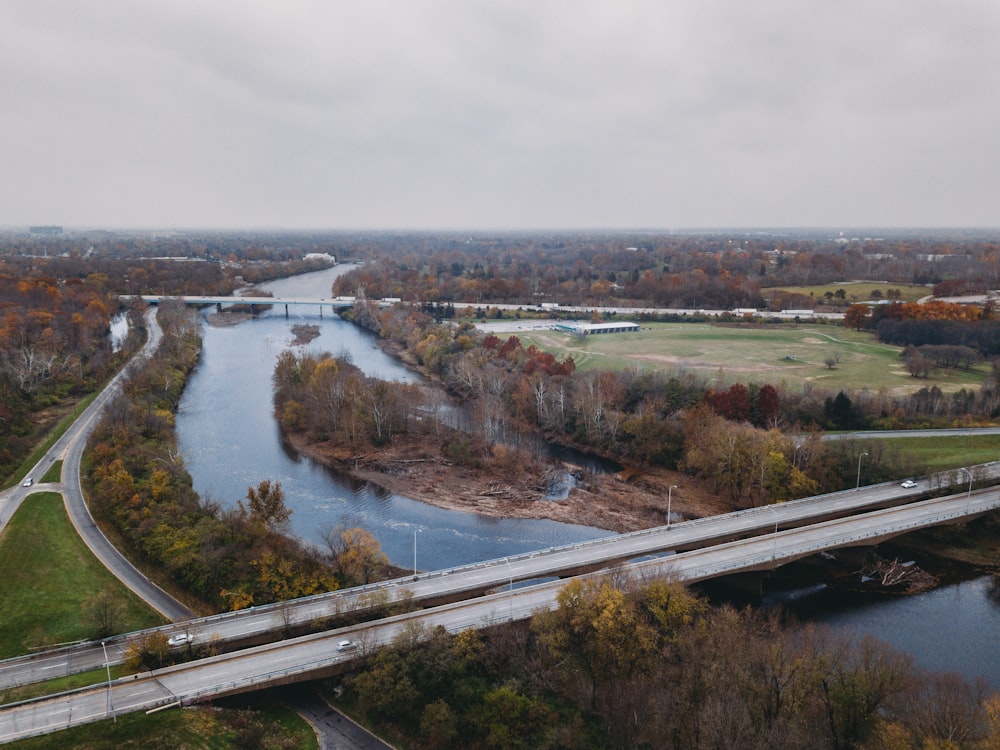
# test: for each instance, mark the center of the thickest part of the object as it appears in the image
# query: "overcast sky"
(500, 114)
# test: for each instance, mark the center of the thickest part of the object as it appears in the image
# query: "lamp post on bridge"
(107, 665)
(670, 494)
(415, 553)
(858, 485)
(510, 596)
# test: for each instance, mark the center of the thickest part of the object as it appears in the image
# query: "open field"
(790, 354)
(47, 574)
(941, 454)
(858, 291)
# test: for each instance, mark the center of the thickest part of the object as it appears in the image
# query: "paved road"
(335, 730)
(470, 580)
(70, 449)
(313, 655)
(889, 434)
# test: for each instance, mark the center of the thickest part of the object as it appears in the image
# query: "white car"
(180, 639)
(27, 482)
(908, 484)
(345, 646)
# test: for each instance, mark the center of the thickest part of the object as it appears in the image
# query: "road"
(586, 310)
(69, 448)
(471, 580)
(315, 655)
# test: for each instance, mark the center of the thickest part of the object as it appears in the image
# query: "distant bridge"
(258, 301)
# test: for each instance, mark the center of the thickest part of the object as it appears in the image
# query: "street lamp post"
(510, 595)
(415, 553)
(670, 494)
(774, 547)
(107, 665)
(858, 485)
(968, 495)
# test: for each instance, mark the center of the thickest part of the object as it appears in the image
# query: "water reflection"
(951, 628)
(230, 441)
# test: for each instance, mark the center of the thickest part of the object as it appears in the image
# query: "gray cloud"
(500, 113)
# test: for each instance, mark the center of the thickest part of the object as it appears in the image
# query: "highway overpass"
(314, 656)
(249, 626)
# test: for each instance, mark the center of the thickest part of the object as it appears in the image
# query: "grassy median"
(47, 578)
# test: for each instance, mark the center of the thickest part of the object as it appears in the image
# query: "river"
(230, 442)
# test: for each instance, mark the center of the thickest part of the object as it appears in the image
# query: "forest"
(649, 664)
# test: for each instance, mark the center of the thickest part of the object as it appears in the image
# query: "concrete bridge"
(258, 301)
(317, 655)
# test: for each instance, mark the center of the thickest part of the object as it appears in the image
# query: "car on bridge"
(908, 484)
(180, 639)
(345, 646)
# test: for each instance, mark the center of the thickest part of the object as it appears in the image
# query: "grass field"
(858, 291)
(47, 574)
(794, 355)
(941, 454)
(204, 727)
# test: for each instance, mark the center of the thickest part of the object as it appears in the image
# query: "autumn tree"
(265, 509)
(356, 554)
(857, 316)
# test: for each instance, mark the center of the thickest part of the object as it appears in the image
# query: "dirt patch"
(690, 365)
(504, 487)
(226, 319)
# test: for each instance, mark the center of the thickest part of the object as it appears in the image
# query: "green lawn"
(940, 454)
(793, 354)
(858, 291)
(203, 727)
(47, 574)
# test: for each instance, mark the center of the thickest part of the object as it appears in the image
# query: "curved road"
(70, 449)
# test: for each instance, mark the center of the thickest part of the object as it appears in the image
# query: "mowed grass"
(203, 727)
(855, 291)
(47, 574)
(941, 454)
(769, 353)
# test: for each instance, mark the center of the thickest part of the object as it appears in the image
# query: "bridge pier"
(218, 307)
(286, 311)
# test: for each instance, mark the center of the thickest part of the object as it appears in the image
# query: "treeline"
(649, 665)
(227, 558)
(934, 323)
(54, 348)
(230, 247)
(982, 336)
(677, 271)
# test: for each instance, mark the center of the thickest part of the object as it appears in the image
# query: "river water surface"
(230, 442)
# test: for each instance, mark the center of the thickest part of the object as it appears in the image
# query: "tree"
(857, 317)
(150, 651)
(855, 686)
(266, 509)
(356, 553)
(104, 611)
(438, 724)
